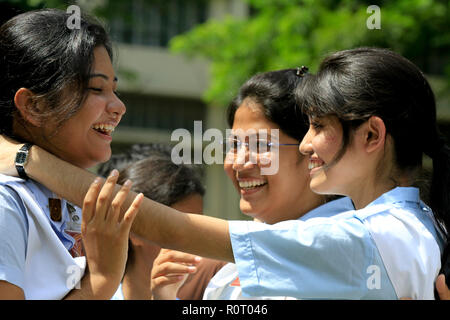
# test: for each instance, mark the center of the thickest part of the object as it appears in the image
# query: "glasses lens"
(231, 145)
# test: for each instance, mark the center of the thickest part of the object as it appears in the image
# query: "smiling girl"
(265, 104)
(58, 92)
(372, 117)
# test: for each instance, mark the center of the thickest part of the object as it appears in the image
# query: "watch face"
(21, 157)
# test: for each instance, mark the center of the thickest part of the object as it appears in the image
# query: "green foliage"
(291, 33)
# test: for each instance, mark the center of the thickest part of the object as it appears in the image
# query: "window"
(164, 113)
(155, 22)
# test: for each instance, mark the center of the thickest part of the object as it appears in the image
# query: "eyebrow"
(101, 75)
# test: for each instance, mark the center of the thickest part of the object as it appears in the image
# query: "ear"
(375, 134)
(27, 106)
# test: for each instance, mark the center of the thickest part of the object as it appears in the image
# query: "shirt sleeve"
(314, 259)
(13, 237)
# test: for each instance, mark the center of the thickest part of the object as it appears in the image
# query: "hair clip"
(301, 71)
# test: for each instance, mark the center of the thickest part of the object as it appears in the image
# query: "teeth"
(313, 165)
(251, 184)
(104, 127)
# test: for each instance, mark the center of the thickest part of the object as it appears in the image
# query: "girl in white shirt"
(58, 92)
(372, 117)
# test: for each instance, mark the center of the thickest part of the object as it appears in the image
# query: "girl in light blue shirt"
(372, 117)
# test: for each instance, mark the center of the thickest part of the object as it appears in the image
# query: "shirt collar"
(398, 194)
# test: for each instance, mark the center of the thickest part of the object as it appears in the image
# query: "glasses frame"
(247, 144)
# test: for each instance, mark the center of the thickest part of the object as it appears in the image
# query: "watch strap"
(21, 160)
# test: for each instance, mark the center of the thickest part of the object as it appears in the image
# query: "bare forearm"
(92, 288)
(63, 178)
(192, 233)
(167, 227)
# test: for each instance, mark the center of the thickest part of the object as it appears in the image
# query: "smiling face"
(322, 144)
(282, 196)
(84, 139)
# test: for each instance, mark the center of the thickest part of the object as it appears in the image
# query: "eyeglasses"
(258, 146)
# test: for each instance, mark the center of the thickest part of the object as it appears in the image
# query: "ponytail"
(439, 152)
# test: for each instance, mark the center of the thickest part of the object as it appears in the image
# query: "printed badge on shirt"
(74, 230)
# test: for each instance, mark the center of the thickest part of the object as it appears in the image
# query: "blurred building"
(163, 91)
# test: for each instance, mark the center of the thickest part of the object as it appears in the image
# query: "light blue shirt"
(14, 227)
(336, 252)
(13, 237)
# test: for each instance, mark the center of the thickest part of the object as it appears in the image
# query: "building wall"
(163, 92)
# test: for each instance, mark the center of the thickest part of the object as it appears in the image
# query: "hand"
(8, 150)
(442, 289)
(170, 270)
(105, 233)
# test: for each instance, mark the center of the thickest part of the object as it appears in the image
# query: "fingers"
(90, 201)
(178, 256)
(172, 263)
(118, 200)
(104, 198)
(166, 280)
(132, 211)
(171, 269)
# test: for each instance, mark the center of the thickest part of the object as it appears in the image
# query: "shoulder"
(330, 209)
(10, 200)
(13, 236)
(13, 214)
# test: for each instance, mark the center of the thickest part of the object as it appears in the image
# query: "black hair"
(38, 51)
(274, 92)
(153, 173)
(150, 168)
(132, 154)
(354, 85)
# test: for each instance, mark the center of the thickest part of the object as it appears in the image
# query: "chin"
(249, 210)
(246, 208)
(95, 161)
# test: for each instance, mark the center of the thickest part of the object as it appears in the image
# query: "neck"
(136, 284)
(366, 192)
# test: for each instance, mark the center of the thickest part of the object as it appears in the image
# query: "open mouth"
(105, 129)
(315, 165)
(251, 184)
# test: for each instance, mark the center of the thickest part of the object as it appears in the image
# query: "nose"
(305, 147)
(243, 159)
(116, 107)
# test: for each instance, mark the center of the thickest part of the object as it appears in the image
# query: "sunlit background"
(179, 61)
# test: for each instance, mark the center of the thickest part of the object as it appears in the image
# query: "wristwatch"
(21, 160)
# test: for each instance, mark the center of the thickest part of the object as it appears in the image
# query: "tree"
(291, 33)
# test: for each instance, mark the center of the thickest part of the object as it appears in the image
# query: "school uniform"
(225, 285)
(40, 240)
(387, 250)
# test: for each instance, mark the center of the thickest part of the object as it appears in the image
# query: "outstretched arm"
(165, 226)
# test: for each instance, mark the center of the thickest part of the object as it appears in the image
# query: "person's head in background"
(266, 102)
(134, 153)
(153, 173)
(58, 86)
